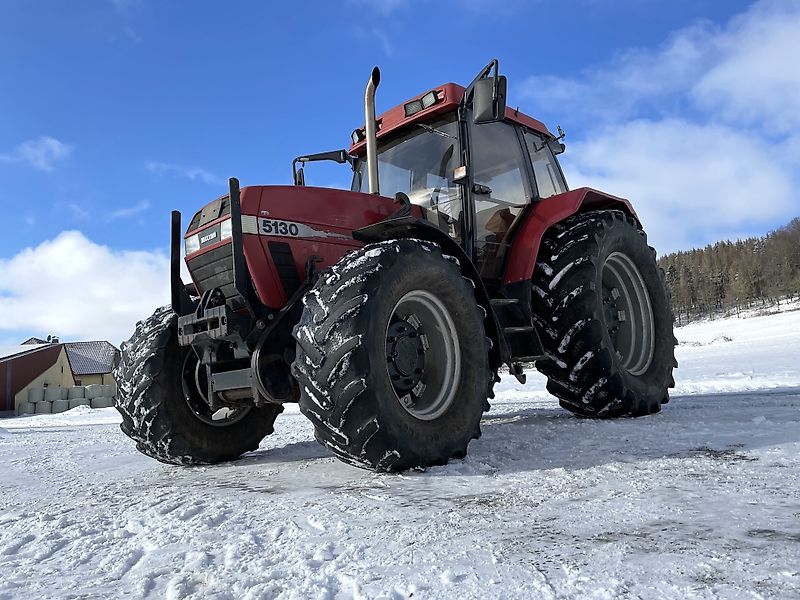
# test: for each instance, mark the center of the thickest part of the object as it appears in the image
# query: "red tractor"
(388, 316)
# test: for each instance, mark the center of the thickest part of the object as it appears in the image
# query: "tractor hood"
(339, 209)
(282, 228)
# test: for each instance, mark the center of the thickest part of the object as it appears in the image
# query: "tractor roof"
(448, 97)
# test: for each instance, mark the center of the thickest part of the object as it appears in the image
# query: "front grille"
(215, 269)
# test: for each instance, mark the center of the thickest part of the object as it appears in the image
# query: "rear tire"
(161, 412)
(600, 301)
(392, 358)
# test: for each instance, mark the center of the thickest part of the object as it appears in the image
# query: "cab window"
(499, 171)
(420, 162)
(549, 180)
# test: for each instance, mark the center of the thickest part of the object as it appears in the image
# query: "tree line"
(730, 276)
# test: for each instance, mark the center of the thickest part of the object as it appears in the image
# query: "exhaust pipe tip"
(370, 131)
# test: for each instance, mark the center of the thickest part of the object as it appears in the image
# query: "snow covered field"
(700, 501)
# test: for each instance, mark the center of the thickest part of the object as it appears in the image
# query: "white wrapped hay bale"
(109, 390)
(93, 391)
(75, 402)
(52, 393)
(60, 406)
(64, 393)
(102, 402)
(26, 408)
(77, 391)
(35, 395)
(44, 407)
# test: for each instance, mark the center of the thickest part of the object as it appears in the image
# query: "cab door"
(501, 188)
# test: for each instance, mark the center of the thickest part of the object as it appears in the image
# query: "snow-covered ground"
(700, 501)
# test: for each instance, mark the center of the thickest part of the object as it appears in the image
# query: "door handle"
(481, 189)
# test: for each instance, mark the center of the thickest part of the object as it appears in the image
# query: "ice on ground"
(699, 501)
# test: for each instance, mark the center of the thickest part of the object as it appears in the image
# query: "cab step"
(504, 301)
(523, 329)
(527, 359)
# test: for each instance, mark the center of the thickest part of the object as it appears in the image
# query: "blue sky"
(115, 112)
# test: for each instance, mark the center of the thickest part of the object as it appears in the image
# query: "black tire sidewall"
(155, 412)
(462, 416)
(341, 362)
(623, 238)
(208, 442)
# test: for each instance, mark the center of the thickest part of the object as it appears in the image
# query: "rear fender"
(409, 227)
(546, 213)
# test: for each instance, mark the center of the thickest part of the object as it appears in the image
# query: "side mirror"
(556, 147)
(339, 156)
(489, 99)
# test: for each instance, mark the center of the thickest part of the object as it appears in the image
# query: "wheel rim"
(193, 383)
(628, 313)
(422, 355)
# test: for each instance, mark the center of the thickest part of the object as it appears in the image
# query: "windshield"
(420, 163)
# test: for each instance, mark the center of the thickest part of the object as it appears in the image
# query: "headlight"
(208, 236)
(225, 230)
(192, 244)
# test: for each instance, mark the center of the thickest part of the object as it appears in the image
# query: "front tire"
(162, 411)
(600, 301)
(392, 358)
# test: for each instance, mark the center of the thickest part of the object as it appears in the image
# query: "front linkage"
(245, 353)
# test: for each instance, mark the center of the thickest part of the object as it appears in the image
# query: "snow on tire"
(600, 301)
(163, 418)
(392, 358)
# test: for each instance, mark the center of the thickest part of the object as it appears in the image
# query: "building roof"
(7, 352)
(34, 340)
(90, 358)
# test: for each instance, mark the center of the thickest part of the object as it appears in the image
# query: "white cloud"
(77, 289)
(129, 211)
(700, 133)
(41, 153)
(192, 173)
(757, 78)
(687, 182)
(744, 72)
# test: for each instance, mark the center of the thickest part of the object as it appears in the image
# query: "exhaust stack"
(370, 131)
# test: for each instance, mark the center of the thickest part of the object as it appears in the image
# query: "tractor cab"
(471, 174)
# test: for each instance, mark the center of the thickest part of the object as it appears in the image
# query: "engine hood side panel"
(289, 224)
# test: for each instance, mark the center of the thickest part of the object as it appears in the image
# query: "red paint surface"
(18, 371)
(450, 95)
(546, 213)
(335, 212)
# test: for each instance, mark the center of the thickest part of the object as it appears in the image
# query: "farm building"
(92, 362)
(35, 365)
(32, 365)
